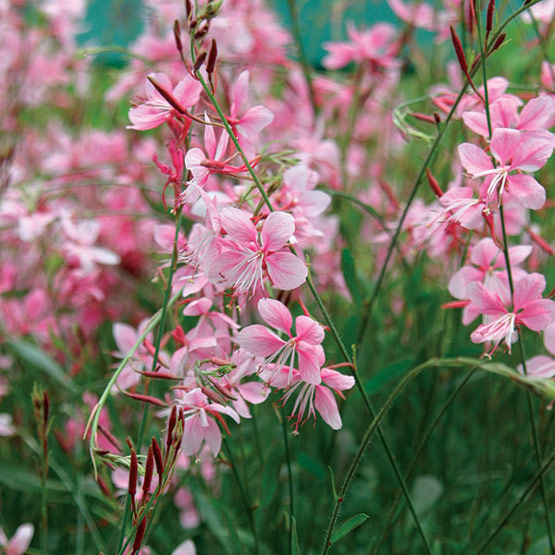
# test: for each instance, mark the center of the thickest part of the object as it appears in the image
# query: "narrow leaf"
(348, 526)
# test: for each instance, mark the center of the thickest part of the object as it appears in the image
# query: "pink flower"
(246, 256)
(19, 542)
(375, 45)
(259, 340)
(155, 110)
(512, 153)
(200, 422)
(247, 123)
(534, 118)
(488, 268)
(313, 397)
(529, 309)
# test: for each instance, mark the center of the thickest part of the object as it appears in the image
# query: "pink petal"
(485, 301)
(240, 93)
(254, 392)
(198, 307)
(339, 55)
(144, 117)
(532, 154)
(537, 113)
(526, 191)
(310, 361)
(337, 380)
(538, 314)
(238, 225)
(528, 289)
(193, 435)
(486, 254)
(259, 340)
(213, 436)
(21, 540)
(476, 122)
(193, 162)
(275, 314)
(474, 159)
(504, 144)
(308, 330)
(286, 270)
(256, 119)
(125, 337)
(187, 92)
(326, 405)
(458, 284)
(277, 230)
(313, 203)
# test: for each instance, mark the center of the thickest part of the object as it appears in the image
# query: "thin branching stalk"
(289, 476)
(538, 477)
(244, 494)
(368, 306)
(165, 304)
(531, 415)
(418, 453)
(327, 317)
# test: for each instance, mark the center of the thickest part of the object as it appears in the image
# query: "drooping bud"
(139, 535)
(177, 36)
(145, 399)
(167, 95)
(459, 51)
(171, 426)
(133, 474)
(489, 17)
(498, 42)
(434, 184)
(157, 457)
(149, 469)
(199, 61)
(212, 56)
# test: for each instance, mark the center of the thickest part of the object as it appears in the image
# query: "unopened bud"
(199, 61)
(157, 457)
(212, 56)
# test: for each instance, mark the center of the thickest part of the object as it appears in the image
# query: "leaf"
(348, 526)
(311, 465)
(34, 356)
(295, 548)
(349, 273)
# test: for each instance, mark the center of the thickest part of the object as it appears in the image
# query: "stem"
(418, 453)
(43, 497)
(164, 310)
(320, 304)
(374, 425)
(531, 417)
(244, 496)
(537, 477)
(290, 478)
(369, 305)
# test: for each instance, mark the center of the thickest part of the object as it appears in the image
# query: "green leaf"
(348, 526)
(35, 357)
(349, 273)
(295, 548)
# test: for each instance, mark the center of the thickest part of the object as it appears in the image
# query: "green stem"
(290, 478)
(374, 425)
(167, 292)
(528, 394)
(370, 304)
(537, 477)
(320, 304)
(243, 492)
(418, 454)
